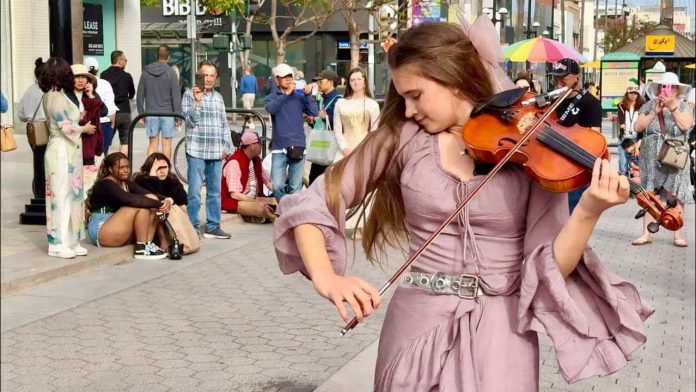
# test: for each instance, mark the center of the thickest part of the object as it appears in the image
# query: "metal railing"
(134, 122)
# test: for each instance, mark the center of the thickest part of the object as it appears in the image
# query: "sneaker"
(61, 251)
(148, 251)
(217, 233)
(80, 251)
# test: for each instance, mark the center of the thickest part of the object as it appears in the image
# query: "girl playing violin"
(466, 315)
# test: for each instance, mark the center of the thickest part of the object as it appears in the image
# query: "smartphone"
(200, 81)
(666, 91)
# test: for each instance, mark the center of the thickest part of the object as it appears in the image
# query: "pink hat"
(251, 138)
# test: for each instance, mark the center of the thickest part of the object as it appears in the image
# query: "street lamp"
(497, 17)
(532, 30)
(502, 12)
(545, 33)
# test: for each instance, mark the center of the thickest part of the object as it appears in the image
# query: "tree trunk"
(280, 51)
(354, 41)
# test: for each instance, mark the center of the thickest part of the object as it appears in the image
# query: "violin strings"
(577, 153)
(582, 155)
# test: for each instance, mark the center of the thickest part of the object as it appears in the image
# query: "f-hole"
(510, 141)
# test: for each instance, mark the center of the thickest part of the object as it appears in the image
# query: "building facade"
(38, 28)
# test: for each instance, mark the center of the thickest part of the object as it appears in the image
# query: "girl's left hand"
(607, 189)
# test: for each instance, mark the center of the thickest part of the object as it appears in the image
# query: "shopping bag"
(186, 234)
(322, 146)
(7, 140)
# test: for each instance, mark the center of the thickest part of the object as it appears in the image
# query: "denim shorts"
(163, 126)
(96, 220)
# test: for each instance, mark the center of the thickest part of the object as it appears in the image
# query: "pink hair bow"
(484, 37)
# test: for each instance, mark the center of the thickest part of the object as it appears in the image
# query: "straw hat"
(82, 70)
(668, 78)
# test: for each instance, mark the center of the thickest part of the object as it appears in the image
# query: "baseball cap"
(251, 138)
(565, 67)
(327, 74)
(284, 70)
(91, 62)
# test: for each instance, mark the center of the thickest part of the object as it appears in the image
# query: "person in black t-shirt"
(122, 211)
(581, 108)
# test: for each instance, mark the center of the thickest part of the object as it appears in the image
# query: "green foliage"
(619, 34)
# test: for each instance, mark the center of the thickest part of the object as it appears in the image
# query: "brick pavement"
(230, 321)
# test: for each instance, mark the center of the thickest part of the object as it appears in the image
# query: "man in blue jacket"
(287, 108)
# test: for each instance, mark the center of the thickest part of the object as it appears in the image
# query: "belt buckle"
(470, 290)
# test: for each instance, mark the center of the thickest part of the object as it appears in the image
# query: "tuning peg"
(641, 213)
(653, 227)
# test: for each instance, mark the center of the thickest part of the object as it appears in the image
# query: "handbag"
(185, 233)
(322, 146)
(674, 153)
(295, 153)
(7, 140)
(37, 136)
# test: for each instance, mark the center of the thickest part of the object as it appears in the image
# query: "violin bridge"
(526, 122)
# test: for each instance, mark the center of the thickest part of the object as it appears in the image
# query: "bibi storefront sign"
(93, 30)
(174, 12)
(615, 77)
(659, 45)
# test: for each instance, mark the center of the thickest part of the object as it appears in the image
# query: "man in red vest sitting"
(243, 178)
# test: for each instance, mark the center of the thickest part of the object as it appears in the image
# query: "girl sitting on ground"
(122, 211)
(157, 177)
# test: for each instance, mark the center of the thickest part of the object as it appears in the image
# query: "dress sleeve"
(593, 317)
(374, 114)
(309, 207)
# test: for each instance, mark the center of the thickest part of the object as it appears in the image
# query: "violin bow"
(463, 204)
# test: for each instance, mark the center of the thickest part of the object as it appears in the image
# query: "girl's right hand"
(362, 298)
(89, 128)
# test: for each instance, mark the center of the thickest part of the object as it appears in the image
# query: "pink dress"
(433, 342)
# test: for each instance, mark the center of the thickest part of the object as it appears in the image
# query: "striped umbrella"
(538, 50)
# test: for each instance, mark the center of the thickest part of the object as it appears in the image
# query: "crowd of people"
(90, 193)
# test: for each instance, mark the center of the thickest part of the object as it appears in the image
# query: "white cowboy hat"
(668, 78)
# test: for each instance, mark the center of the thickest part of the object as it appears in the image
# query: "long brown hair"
(625, 101)
(444, 54)
(349, 90)
(150, 160)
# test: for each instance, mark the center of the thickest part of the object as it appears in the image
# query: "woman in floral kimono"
(467, 314)
(63, 161)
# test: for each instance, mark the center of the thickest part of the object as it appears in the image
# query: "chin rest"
(502, 100)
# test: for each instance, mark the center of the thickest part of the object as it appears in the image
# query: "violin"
(558, 158)
(513, 127)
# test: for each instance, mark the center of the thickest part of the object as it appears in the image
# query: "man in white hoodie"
(158, 91)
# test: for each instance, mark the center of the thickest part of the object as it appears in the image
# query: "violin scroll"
(669, 218)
